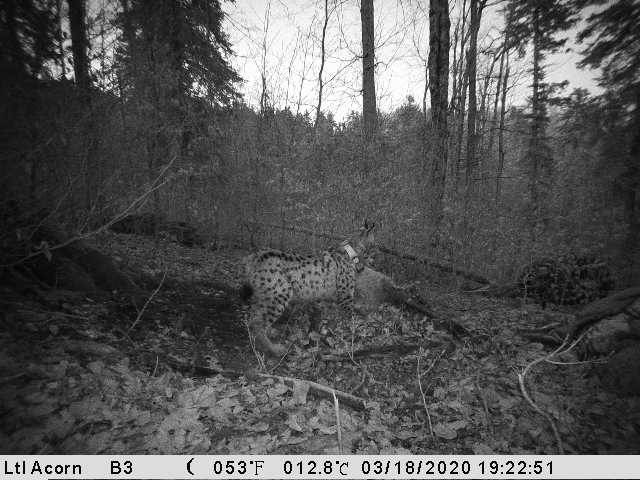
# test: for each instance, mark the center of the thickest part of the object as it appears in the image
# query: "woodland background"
(118, 106)
(132, 116)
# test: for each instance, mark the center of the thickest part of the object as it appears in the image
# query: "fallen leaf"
(444, 431)
(300, 390)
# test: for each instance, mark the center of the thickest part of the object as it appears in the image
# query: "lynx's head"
(359, 243)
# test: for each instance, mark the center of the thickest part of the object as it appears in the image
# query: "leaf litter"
(74, 379)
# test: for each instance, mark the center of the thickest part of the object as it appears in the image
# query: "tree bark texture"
(60, 40)
(503, 109)
(494, 116)
(369, 109)
(472, 55)
(322, 55)
(536, 147)
(79, 43)
(439, 26)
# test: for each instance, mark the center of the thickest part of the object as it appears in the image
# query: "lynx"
(274, 279)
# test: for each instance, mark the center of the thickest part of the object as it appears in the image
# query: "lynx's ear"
(367, 227)
(366, 238)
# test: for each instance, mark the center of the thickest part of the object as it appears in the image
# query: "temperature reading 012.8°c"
(312, 467)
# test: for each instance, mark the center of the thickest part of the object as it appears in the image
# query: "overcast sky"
(282, 38)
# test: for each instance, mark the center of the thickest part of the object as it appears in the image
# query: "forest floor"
(95, 374)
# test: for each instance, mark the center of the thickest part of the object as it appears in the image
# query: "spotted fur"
(274, 279)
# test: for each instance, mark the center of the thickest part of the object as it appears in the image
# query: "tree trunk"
(79, 44)
(459, 67)
(538, 107)
(60, 40)
(483, 112)
(494, 117)
(322, 54)
(454, 72)
(460, 129)
(425, 92)
(439, 25)
(472, 54)
(369, 110)
(503, 109)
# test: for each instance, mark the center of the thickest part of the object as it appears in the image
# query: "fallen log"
(603, 308)
(445, 267)
(101, 268)
(316, 389)
(322, 391)
(295, 229)
(394, 349)
(623, 301)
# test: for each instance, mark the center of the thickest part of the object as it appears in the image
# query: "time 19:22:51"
(521, 467)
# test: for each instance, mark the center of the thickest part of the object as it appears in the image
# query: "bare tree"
(505, 79)
(60, 40)
(264, 95)
(439, 25)
(472, 56)
(503, 53)
(487, 82)
(460, 36)
(459, 90)
(322, 55)
(369, 110)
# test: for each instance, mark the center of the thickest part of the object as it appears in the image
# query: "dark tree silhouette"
(613, 40)
(539, 22)
(439, 25)
(369, 110)
(28, 32)
(79, 44)
(179, 45)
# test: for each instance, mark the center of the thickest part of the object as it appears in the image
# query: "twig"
(543, 328)
(582, 362)
(525, 394)
(399, 348)
(485, 407)
(155, 369)
(144, 307)
(284, 355)
(322, 391)
(336, 408)
(252, 344)
(424, 399)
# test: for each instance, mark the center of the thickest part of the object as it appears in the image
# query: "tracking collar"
(353, 256)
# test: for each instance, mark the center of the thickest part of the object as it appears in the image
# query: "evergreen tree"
(178, 47)
(538, 22)
(613, 38)
(613, 44)
(28, 32)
